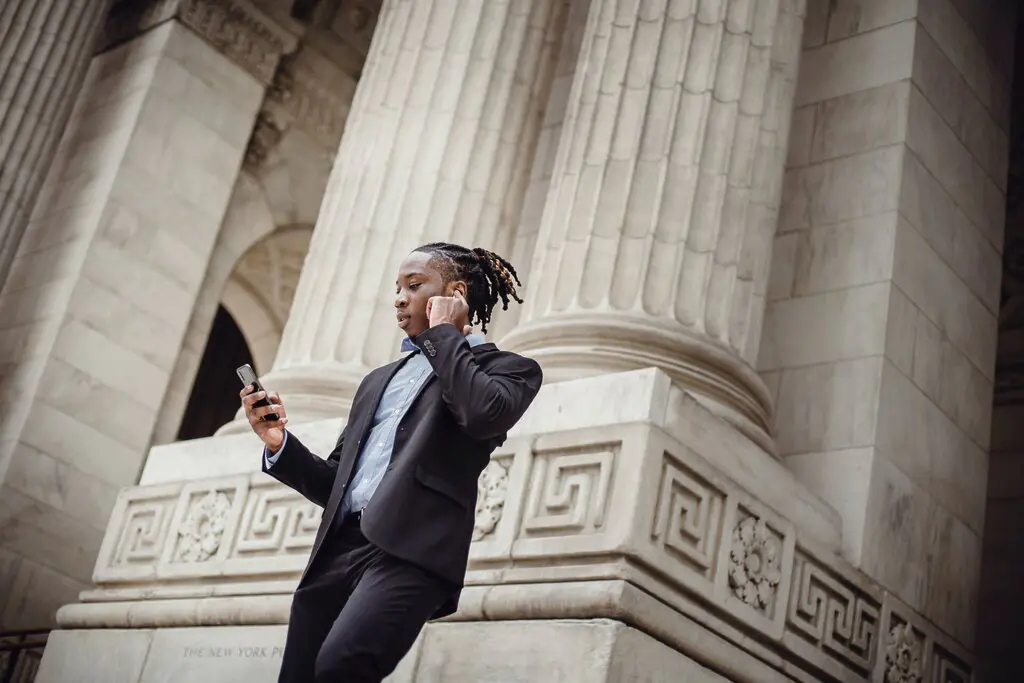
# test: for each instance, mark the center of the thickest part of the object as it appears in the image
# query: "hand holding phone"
(264, 411)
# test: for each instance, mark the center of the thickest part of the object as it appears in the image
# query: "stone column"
(45, 46)
(656, 237)
(445, 113)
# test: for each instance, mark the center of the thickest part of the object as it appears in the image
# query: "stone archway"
(259, 292)
(246, 327)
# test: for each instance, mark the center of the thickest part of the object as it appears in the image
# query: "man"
(399, 488)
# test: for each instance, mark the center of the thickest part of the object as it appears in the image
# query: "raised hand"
(449, 309)
(271, 432)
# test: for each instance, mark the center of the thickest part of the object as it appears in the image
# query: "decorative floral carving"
(903, 655)
(754, 560)
(491, 490)
(200, 533)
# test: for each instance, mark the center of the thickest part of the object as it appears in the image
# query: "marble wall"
(880, 334)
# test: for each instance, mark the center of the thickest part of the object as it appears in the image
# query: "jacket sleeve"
(485, 403)
(310, 475)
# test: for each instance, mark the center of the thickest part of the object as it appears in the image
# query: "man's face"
(418, 280)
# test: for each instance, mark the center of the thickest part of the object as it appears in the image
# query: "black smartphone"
(249, 379)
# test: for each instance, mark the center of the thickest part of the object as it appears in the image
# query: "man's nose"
(401, 301)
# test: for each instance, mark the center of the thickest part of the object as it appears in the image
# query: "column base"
(575, 346)
(557, 651)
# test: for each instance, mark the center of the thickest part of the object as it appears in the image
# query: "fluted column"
(45, 47)
(436, 147)
(655, 242)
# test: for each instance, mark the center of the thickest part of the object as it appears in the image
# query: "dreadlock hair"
(488, 277)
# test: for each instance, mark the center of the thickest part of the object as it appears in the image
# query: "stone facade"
(763, 245)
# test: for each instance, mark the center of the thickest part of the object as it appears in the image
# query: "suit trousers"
(358, 611)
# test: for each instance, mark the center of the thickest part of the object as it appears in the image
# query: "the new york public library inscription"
(254, 652)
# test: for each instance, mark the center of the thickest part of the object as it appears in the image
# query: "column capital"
(236, 28)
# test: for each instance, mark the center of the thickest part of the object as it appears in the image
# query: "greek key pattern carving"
(689, 517)
(948, 668)
(276, 521)
(833, 615)
(242, 525)
(146, 527)
(568, 492)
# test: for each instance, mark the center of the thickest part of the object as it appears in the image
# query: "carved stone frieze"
(238, 32)
(266, 133)
(581, 506)
(235, 28)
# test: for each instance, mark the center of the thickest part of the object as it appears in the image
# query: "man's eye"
(414, 285)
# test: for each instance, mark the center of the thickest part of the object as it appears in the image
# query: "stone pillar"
(45, 46)
(433, 150)
(127, 217)
(657, 233)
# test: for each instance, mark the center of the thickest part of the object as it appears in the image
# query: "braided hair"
(488, 277)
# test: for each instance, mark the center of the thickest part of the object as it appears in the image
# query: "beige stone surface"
(593, 651)
(892, 216)
(127, 218)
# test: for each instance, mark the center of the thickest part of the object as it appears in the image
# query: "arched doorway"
(214, 398)
(247, 327)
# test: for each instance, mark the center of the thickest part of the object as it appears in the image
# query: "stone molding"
(576, 345)
(564, 514)
(234, 27)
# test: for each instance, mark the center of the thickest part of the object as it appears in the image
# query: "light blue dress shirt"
(375, 456)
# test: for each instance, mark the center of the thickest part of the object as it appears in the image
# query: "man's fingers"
(252, 398)
(263, 411)
(246, 390)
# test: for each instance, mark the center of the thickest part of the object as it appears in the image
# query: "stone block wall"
(99, 295)
(880, 334)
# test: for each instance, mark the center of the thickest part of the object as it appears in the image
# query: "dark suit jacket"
(424, 509)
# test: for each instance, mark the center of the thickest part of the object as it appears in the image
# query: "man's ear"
(456, 286)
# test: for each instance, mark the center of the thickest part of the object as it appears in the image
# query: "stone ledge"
(557, 651)
(724, 647)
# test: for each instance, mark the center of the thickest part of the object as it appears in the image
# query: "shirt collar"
(473, 339)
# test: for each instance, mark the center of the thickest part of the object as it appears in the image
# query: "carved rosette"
(491, 490)
(755, 563)
(200, 533)
(902, 655)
